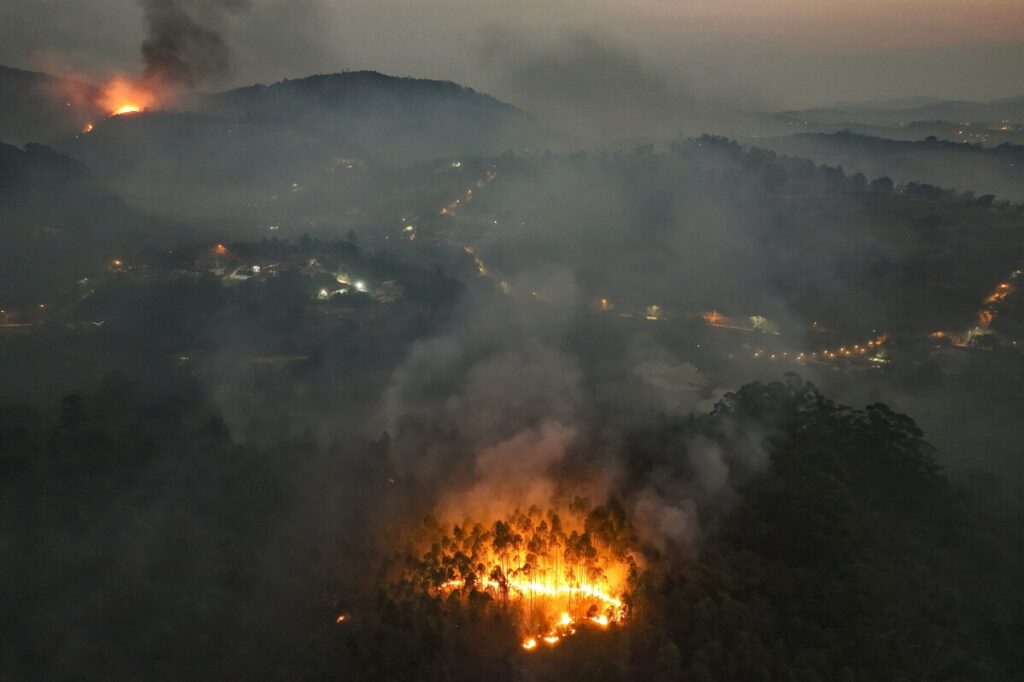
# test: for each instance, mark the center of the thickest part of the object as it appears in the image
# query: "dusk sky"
(779, 53)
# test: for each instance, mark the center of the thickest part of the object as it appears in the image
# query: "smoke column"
(183, 45)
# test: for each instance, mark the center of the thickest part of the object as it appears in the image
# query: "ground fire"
(550, 572)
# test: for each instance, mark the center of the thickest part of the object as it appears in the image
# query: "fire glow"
(715, 319)
(533, 592)
(554, 576)
(121, 95)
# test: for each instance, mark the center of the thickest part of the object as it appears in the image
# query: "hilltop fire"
(550, 573)
(122, 95)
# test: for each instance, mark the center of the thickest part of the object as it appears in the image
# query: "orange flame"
(715, 318)
(122, 95)
(548, 568)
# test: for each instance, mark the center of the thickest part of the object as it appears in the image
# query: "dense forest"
(144, 541)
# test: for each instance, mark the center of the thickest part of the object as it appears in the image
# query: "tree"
(883, 185)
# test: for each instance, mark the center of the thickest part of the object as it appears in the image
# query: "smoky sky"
(587, 86)
(778, 54)
(184, 45)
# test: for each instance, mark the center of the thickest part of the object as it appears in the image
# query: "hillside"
(215, 157)
(38, 107)
(281, 130)
(59, 224)
(401, 119)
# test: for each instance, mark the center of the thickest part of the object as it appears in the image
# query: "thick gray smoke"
(495, 413)
(591, 88)
(184, 46)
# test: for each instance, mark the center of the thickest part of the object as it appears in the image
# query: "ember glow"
(1001, 292)
(553, 573)
(715, 319)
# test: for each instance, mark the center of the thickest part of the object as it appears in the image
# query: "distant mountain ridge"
(995, 170)
(398, 118)
(364, 113)
(337, 87)
(891, 103)
(891, 112)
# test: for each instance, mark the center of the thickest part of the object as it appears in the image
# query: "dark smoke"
(184, 46)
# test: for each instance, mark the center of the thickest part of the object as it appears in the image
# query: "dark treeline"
(971, 167)
(853, 558)
(141, 540)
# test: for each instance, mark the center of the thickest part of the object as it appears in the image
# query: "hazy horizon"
(740, 55)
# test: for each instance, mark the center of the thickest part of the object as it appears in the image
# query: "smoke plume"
(184, 46)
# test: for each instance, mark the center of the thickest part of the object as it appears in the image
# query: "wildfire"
(715, 318)
(533, 589)
(122, 95)
(552, 573)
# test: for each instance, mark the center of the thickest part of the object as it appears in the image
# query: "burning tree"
(546, 572)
